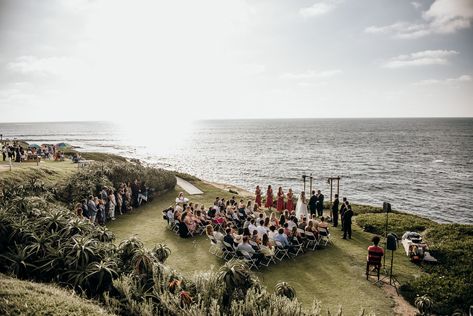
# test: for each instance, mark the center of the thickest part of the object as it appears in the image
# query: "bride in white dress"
(301, 206)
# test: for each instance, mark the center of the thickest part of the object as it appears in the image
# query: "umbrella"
(62, 145)
(34, 146)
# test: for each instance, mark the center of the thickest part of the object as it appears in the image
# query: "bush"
(399, 223)
(93, 178)
(364, 209)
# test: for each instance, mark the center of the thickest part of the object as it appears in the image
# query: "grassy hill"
(19, 297)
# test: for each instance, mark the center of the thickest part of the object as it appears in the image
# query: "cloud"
(55, 66)
(311, 74)
(416, 4)
(429, 82)
(319, 8)
(423, 58)
(443, 17)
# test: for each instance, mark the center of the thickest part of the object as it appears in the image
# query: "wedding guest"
(273, 220)
(269, 198)
(343, 208)
(347, 222)
(280, 200)
(320, 203)
(290, 202)
(335, 204)
(258, 196)
(181, 199)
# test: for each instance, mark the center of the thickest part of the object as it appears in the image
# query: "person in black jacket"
(335, 204)
(347, 222)
(320, 203)
(313, 203)
(343, 209)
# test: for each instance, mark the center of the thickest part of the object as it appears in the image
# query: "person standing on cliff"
(335, 204)
(343, 209)
(347, 222)
(320, 203)
(313, 204)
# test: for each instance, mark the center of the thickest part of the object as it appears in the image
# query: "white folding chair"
(311, 242)
(281, 252)
(228, 251)
(248, 258)
(324, 236)
(268, 256)
(298, 247)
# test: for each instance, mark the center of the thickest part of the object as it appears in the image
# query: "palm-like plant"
(54, 221)
(80, 251)
(161, 252)
(127, 249)
(142, 262)
(236, 277)
(103, 234)
(18, 261)
(424, 305)
(284, 289)
(100, 276)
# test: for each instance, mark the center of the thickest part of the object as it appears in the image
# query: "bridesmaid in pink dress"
(290, 203)
(280, 202)
(258, 196)
(269, 197)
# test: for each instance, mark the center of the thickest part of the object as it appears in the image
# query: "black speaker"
(391, 242)
(386, 207)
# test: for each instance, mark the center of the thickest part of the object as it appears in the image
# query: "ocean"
(422, 166)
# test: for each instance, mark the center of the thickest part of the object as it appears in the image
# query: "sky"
(174, 61)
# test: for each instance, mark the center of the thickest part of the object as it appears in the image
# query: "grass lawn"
(334, 275)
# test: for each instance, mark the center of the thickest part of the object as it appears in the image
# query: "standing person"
(280, 201)
(320, 203)
(269, 198)
(301, 207)
(112, 204)
(347, 222)
(134, 193)
(258, 196)
(313, 204)
(290, 202)
(335, 204)
(92, 208)
(85, 209)
(343, 209)
(4, 152)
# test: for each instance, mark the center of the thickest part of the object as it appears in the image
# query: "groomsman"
(347, 222)
(320, 203)
(335, 204)
(343, 209)
(313, 203)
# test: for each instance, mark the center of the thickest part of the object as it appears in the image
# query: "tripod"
(393, 281)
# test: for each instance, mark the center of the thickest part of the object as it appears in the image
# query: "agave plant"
(127, 249)
(100, 276)
(161, 252)
(236, 277)
(18, 261)
(424, 305)
(54, 221)
(284, 289)
(103, 234)
(185, 298)
(80, 251)
(142, 262)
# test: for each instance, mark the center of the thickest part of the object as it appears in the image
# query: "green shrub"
(364, 209)
(398, 223)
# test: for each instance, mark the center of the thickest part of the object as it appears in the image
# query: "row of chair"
(223, 250)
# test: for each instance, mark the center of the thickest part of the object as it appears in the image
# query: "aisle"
(188, 187)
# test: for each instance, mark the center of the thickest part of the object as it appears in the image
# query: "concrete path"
(189, 188)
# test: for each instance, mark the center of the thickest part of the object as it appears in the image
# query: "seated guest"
(245, 246)
(181, 199)
(287, 231)
(247, 222)
(292, 222)
(229, 238)
(295, 236)
(374, 254)
(266, 248)
(303, 223)
(281, 238)
(261, 229)
(272, 232)
(311, 228)
(273, 220)
(201, 218)
(252, 226)
(189, 221)
(282, 220)
(323, 223)
(246, 232)
(211, 233)
(255, 237)
(170, 214)
(219, 219)
(211, 212)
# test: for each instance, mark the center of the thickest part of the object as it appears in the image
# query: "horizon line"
(259, 118)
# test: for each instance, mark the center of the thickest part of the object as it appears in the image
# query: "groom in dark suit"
(313, 203)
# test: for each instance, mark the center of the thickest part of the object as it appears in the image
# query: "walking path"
(189, 188)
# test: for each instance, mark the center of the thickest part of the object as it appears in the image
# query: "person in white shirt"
(261, 229)
(272, 232)
(181, 199)
(252, 226)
